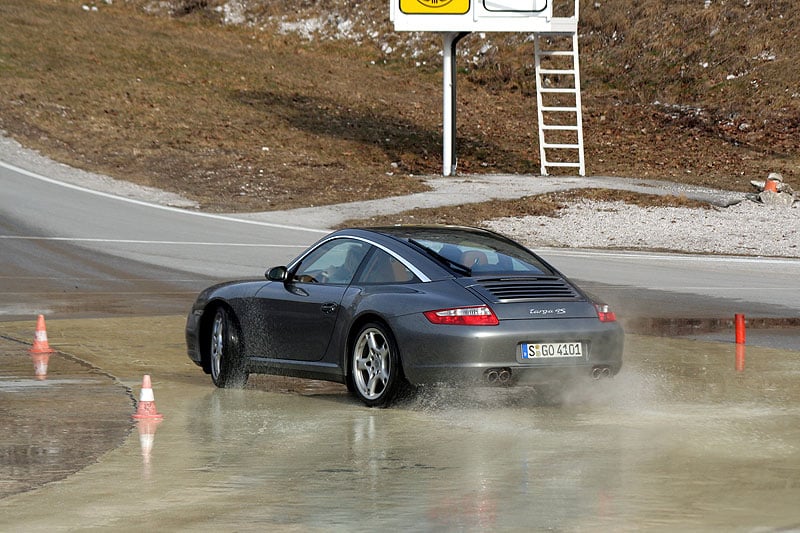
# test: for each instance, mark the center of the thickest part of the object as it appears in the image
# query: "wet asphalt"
(55, 426)
(692, 435)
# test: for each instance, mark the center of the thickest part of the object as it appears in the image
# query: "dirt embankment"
(248, 106)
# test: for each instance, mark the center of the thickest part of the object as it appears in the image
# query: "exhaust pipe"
(599, 372)
(498, 376)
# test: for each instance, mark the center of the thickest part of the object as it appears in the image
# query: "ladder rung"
(556, 71)
(561, 90)
(562, 146)
(559, 127)
(548, 164)
(555, 53)
(565, 26)
(560, 109)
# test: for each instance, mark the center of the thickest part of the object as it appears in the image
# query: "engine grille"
(540, 288)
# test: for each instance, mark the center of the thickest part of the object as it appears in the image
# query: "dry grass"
(244, 118)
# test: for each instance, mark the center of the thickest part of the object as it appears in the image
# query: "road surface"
(39, 215)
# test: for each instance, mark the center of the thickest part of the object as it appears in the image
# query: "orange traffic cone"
(40, 344)
(40, 352)
(147, 402)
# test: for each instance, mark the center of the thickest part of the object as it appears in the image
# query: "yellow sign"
(434, 7)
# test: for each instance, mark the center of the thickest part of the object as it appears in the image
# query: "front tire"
(375, 372)
(226, 361)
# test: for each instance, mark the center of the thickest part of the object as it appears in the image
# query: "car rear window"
(483, 253)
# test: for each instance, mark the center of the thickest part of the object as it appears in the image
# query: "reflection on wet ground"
(781, 333)
(52, 428)
(690, 436)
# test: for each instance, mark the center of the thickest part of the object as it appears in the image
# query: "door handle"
(329, 307)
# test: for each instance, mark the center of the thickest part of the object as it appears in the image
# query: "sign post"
(449, 161)
(455, 19)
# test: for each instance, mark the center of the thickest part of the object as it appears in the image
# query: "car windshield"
(472, 252)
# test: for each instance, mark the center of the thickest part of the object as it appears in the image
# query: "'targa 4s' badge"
(559, 311)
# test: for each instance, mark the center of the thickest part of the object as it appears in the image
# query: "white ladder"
(558, 99)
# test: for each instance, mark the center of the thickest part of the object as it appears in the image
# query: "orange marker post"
(739, 328)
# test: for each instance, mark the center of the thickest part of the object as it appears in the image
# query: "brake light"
(480, 315)
(605, 314)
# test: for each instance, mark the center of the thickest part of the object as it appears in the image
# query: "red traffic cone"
(147, 402)
(40, 352)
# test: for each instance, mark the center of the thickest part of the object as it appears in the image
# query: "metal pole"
(449, 161)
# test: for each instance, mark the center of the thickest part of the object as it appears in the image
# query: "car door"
(299, 315)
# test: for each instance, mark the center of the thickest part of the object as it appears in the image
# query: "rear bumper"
(446, 354)
(516, 374)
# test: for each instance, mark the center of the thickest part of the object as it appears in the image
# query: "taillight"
(604, 313)
(480, 315)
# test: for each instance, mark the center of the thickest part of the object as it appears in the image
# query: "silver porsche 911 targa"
(387, 309)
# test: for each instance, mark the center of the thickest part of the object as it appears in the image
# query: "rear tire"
(226, 361)
(376, 375)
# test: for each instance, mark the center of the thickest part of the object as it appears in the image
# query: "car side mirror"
(279, 273)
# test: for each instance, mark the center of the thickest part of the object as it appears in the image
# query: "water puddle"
(690, 436)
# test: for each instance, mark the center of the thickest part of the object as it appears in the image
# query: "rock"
(776, 199)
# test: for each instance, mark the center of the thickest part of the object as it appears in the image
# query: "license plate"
(544, 350)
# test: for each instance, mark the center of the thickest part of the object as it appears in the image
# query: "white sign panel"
(515, 6)
(476, 16)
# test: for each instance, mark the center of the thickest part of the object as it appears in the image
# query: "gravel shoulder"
(746, 228)
(732, 225)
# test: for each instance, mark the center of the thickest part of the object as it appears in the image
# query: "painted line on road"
(107, 293)
(135, 241)
(672, 288)
(75, 278)
(661, 256)
(225, 218)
